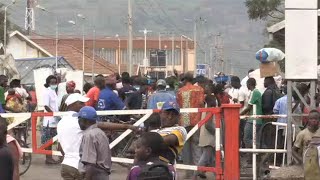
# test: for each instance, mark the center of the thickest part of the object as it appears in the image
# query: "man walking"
(94, 92)
(190, 96)
(254, 108)
(157, 99)
(270, 95)
(70, 137)
(95, 153)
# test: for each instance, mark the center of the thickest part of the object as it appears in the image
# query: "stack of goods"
(269, 58)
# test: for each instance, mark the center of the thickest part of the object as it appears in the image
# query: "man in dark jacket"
(269, 97)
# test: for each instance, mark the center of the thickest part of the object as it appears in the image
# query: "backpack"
(311, 161)
(276, 94)
(156, 171)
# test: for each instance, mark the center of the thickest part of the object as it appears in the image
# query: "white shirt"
(70, 137)
(119, 85)
(61, 92)
(244, 94)
(20, 91)
(244, 81)
(23, 93)
(50, 99)
(234, 93)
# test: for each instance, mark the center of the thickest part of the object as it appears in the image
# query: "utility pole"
(29, 18)
(57, 30)
(145, 32)
(172, 54)
(159, 41)
(219, 53)
(181, 54)
(5, 27)
(195, 45)
(57, 41)
(130, 36)
(93, 53)
(119, 53)
(83, 18)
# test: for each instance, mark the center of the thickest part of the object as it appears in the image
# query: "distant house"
(114, 51)
(277, 32)
(20, 46)
(24, 49)
(26, 66)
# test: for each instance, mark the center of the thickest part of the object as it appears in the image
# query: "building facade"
(115, 51)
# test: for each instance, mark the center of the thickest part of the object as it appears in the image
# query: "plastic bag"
(266, 55)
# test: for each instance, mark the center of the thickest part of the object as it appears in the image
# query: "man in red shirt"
(94, 92)
(190, 96)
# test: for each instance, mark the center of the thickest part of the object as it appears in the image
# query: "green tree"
(271, 11)
(265, 9)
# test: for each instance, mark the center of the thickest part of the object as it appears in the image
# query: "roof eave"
(276, 27)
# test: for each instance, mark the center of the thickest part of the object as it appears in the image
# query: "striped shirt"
(171, 153)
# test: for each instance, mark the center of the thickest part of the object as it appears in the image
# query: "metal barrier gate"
(230, 113)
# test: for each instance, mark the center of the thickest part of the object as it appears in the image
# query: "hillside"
(242, 38)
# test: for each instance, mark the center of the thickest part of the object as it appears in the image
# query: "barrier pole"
(232, 122)
(276, 146)
(34, 132)
(289, 122)
(218, 149)
(254, 147)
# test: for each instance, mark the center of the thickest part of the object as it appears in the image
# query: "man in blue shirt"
(108, 100)
(157, 99)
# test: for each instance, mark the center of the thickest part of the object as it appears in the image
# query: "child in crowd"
(304, 137)
(148, 165)
(152, 123)
(14, 103)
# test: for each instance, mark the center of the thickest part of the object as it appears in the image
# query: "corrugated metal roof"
(27, 65)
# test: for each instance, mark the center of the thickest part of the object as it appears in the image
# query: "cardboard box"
(269, 69)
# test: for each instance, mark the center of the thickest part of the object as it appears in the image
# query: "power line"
(159, 21)
(165, 13)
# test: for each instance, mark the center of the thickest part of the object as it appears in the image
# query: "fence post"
(231, 135)
(34, 131)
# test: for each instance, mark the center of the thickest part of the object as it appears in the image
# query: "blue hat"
(168, 105)
(88, 113)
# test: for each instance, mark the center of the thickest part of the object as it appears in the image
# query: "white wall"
(21, 49)
(301, 39)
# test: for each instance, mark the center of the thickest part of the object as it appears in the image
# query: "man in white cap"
(70, 135)
(157, 99)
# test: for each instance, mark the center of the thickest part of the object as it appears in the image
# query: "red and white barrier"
(210, 113)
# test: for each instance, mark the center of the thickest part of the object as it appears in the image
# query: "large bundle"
(266, 55)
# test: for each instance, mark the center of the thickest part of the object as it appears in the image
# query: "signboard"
(202, 70)
(157, 58)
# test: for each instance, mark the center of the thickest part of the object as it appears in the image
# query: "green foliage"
(271, 10)
(263, 9)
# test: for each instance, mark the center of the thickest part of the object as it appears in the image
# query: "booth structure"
(301, 46)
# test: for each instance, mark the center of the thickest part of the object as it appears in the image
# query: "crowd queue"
(84, 142)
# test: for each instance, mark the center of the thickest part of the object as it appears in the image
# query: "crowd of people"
(84, 136)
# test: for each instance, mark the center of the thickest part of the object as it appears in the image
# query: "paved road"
(40, 171)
